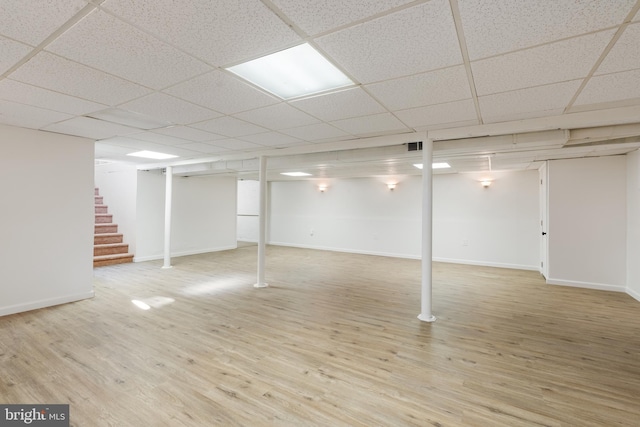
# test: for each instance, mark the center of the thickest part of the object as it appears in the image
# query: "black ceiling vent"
(414, 146)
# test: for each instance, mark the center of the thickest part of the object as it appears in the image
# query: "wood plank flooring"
(334, 341)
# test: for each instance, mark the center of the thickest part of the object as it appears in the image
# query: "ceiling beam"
(585, 119)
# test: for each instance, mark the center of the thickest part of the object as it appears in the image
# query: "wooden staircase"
(108, 246)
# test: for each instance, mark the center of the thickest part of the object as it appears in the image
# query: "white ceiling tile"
(170, 109)
(229, 127)
(611, 87)
(450, 125)
(315, 132)
(204, 148)
(321, 15)
(532, 102)
(91, 128)
(237, 145)
(625, 54)
(551, 63)
(249, 27)
(272, 139)
(493, 27)
(132, 144)
(278, 116)
(11, 52)
(413, 40)
(371, 124)
(11, 90)
(514, 116)
(180, 152)
(28, 116)
(108, 44)
(159, 139)
(435, 87)
(450, 112)
(340, 105)
(74, 79)
(189, 133)
(222, 92)
(33, 21)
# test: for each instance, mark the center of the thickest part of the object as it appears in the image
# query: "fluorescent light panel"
(442, 165)
(294, 72)
(295, 174)
(152, 155)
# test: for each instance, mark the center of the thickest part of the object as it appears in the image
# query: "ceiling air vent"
(414, 146)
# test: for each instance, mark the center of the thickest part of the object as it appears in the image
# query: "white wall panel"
(46, 183)
(633, 224)
(203, 215)
(248, 210)
(499, 224)
(488, 226)
(587, 222)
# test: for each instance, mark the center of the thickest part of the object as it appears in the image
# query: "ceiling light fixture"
(486, 182)
(292, 73)
(391, 186)
(152, 155)
(295, 174)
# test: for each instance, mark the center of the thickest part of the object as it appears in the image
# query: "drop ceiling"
(450, 68)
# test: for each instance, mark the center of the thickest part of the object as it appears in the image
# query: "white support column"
(262, 231)
(427, 227)
(167, 216)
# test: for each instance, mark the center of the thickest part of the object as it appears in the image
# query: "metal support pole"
(427, 227)
(167, 216)
(262, 232)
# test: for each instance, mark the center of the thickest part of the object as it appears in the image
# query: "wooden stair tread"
(113, 256)
(109, 245)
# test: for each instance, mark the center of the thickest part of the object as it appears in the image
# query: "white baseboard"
(633, 294)
(184, 253)
(487, 264)
(34, 305)
(587, 285)
(349, 251)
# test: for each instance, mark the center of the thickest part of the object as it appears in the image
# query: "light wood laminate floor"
(334, 341)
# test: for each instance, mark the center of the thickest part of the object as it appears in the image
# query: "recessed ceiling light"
(442, 165)
(295, 174)
(294, 72)
(152, 155)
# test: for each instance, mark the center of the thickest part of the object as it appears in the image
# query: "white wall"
(203, 215)
(46, 206)
(118, 185)
(496, 226)
(500, 224)
(353, 215)
(588, 222)
(633, 224)
(248, 210)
